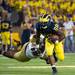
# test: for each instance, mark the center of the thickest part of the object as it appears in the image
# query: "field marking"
(38, 67)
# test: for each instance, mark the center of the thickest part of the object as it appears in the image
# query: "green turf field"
(36, 66)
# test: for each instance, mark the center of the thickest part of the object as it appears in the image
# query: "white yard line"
(38, 67)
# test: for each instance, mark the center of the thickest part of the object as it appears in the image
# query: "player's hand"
(54, 39)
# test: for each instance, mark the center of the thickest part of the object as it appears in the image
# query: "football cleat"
(54, 72)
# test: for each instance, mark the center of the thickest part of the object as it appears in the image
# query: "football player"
(28, 51)
(53, 39)
(5, 30)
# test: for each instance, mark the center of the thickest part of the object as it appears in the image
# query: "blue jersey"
(47, 28)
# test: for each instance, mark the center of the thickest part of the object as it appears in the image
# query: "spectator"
(5, 5)
(69, 41)
(26, 32)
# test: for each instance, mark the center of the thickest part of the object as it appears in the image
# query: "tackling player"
(28, 51)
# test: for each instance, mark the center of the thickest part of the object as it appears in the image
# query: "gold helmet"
(44, 18)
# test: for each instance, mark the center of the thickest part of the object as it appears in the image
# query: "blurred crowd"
(58, 9)
(25, 13)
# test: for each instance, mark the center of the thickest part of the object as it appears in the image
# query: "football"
(53, 38)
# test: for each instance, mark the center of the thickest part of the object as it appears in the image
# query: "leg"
(49, 51)
(20, 55)
(51, 61)
(56, 59)
(7, 34)
(71, 43)
(59, 51)
(9, 54)
(66, 44)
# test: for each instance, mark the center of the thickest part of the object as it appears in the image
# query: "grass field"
(36, 66)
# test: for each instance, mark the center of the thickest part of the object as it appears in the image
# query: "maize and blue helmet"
(44, 18)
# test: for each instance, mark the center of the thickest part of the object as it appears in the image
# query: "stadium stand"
(53, 7)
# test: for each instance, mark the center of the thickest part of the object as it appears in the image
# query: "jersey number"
(5, 25)
(56, 27)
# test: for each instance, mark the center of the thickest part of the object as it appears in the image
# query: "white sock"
(53, 66)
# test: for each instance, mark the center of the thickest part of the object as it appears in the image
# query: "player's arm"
(56, 37)
(57, 34)
(60, 34)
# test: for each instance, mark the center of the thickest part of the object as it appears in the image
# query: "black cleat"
(54, 72)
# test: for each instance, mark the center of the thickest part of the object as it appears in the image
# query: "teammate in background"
(15, 41)
(53, 39)
(5, 30)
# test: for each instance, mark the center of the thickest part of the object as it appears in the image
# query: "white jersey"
(29, 52)
(68, 27)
